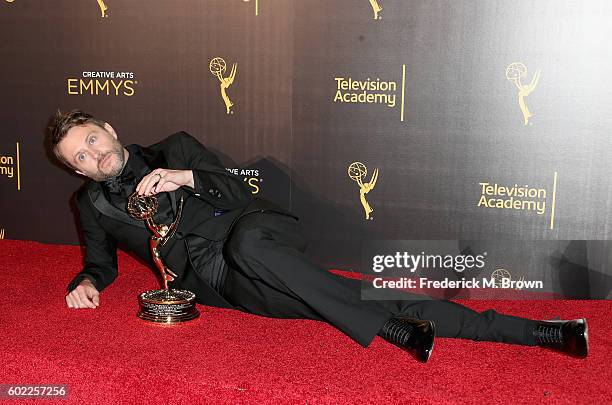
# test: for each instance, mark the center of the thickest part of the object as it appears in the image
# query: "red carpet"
(107, 355)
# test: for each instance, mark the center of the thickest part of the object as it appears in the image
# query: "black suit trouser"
(269, 275)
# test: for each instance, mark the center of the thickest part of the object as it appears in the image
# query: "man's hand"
(163, 180)
(85, 295)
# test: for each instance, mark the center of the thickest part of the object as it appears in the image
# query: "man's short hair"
(61, 124)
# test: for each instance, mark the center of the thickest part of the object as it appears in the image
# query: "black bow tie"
(122, 184)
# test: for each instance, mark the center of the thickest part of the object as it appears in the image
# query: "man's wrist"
(190, 177)
(87, 279)
(79, 279)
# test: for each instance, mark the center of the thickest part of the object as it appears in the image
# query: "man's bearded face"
(93, 151)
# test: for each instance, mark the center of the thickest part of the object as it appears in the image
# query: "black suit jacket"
(104, 225)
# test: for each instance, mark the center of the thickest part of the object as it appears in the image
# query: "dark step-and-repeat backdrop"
(435, 141)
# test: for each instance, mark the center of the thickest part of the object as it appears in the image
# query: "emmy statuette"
(166, 305)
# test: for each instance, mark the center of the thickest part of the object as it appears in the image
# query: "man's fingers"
(83, 298)
(82, 302)
(143, 183)
(93, 295)
(152, 184)
(69, 301)
(75, 299)
(82, 294)
(159, 187)
(148, 182)
(152, 181)
(96, 299)
(86, 298)
(155, 182)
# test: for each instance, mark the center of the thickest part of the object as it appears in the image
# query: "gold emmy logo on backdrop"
(501, 276)
(2, 229)
(376, 8)
(217, 67)
(103, 8)
(515, 72)
(357, 171)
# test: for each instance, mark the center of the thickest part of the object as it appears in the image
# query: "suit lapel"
(101, 203)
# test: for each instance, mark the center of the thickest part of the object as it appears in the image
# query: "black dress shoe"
(571, 337)
(414, 335)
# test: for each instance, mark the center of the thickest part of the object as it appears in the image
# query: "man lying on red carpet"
(236, 251)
